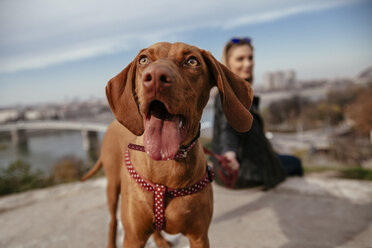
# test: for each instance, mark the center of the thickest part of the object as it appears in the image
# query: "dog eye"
(192, 62)
(144, 60)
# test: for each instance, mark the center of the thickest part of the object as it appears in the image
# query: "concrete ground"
(302, 212)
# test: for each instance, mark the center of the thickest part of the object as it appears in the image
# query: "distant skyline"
(51, 51)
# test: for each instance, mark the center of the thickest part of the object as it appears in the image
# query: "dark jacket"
(259, 164)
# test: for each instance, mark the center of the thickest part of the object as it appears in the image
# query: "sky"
(56, 51)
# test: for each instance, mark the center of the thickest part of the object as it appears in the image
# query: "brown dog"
(158, 101)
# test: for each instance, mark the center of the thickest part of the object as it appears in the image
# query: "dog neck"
(178, 173)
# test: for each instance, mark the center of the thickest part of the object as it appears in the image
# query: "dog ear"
(120, 92)
(236, 94)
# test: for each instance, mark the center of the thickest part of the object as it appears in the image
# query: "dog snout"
(157, 76)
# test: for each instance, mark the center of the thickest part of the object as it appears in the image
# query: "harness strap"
(161, 192)
(159, 206)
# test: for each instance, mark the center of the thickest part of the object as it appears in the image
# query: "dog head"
(163, 91)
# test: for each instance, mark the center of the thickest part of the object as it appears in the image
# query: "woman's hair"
(235, 42)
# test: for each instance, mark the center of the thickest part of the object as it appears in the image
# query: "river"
(45, 149)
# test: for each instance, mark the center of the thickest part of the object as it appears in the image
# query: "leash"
(228, 176)
(161, 192)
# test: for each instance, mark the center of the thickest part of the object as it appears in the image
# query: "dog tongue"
(162, 137)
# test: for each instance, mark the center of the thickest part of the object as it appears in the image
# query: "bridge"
(54, 125)
(88, 130)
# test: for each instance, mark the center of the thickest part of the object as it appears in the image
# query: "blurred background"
(313, 72)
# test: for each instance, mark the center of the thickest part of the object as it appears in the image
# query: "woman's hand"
(233, 163)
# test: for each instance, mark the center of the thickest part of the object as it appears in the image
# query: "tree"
(360, 111)
(19, 177)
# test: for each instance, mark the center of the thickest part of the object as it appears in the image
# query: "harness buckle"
(182, 153)
(210, 173)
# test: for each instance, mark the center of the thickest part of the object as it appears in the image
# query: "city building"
(279, 80)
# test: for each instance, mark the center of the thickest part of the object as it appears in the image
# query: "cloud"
(278, 14)
(40, 33)
(70, 52)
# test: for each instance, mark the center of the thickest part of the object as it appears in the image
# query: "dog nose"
(157, 76)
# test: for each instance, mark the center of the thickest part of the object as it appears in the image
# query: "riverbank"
(315, 211)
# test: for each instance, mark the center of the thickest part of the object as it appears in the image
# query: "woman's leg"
(292, 165)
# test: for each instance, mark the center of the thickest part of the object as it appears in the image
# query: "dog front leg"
(160, 241)
(133, 241)
(136, 233)
(199, 242)
(113, 191)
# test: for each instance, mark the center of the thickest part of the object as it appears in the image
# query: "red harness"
(161, 192)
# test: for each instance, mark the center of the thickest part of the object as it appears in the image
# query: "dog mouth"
(159, 110)
(164, 132)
